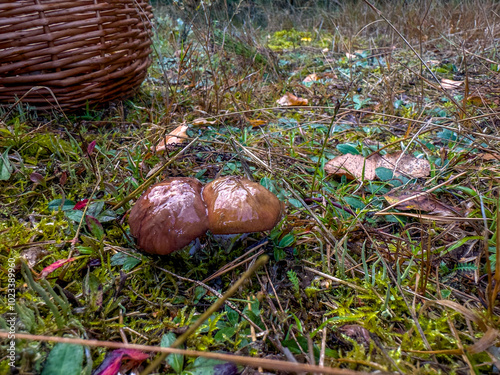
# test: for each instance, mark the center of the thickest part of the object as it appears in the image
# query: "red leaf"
(54, 266)
(81, 205)
(91, 147)
(113, 361)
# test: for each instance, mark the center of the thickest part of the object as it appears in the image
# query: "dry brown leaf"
(172, 139)
(402, 164)
(313, 77)
(352, 166)
(487, 156)
(289, 99)
(424, 203)
(450, 84)
(202, 122)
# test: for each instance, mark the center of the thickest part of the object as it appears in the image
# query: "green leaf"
(64, 359)
(95, 208)
(287, 240)
(95, 227)
(130, 263)
(232, 316)
(385, 174)
(224, 333)
(122, 259)
(295, 202)
(346, 148)
(74, 215)
(354, 202)
(55, 205)
(176, 361)
(107, 215)
(6, 168)
(208, 366)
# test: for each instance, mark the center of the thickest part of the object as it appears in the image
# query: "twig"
(241, 360)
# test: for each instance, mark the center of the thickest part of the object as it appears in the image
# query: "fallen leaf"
(403, 164)
(450, 84)
(478, 101)
(357, 167)
(202, 122)
(289, 99)
(172, 139)
(313, 77)
(114, 361)
(54, 266)
(352, 166)
(256, 123)
(487, 156)
(420, 202)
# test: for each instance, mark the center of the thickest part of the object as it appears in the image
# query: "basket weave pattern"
(84, 51)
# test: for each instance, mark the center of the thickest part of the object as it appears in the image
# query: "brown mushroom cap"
(237, 205)
(169, 215)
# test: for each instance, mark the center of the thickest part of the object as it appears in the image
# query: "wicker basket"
(84, 51)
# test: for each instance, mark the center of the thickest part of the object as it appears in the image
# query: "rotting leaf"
(289, 100)
(420, 202)
(175, 137)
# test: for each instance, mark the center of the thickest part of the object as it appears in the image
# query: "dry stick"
(212, 309)
(269, 364)
(150, 180)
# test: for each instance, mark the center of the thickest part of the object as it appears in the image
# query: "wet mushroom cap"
(238, 205)
(169, 215)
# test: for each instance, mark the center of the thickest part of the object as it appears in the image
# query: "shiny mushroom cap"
(237, 205)
(169, 215)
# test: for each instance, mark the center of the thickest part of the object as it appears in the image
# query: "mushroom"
(238, 205)
(169, 215)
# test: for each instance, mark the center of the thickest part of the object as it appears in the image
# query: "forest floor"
(378, 132)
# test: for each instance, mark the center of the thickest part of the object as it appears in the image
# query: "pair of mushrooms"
(172, 213)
